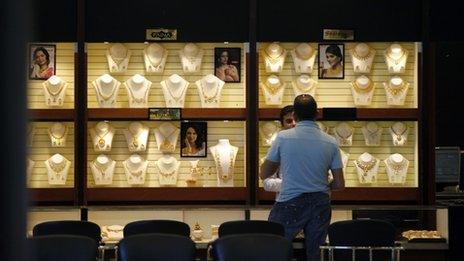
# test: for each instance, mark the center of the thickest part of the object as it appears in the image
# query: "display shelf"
(190, 194)
(361, 114)
(362, 194)
(187, 114)
(52, 195)
(51, 114)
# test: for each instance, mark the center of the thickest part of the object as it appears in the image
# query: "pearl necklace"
(222, 175)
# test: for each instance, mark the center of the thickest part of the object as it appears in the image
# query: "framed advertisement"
(331, 61)
(42, 61)
(227, 63)
(194, 138)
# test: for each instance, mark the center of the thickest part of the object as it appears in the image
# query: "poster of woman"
(42, 61)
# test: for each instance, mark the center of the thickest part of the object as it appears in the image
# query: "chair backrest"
(68, 227)
(250, 227)
(156, 247)
(62, 247)
(361, 233)
(157, 226)
(257, 247)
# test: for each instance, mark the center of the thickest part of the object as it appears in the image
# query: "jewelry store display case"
(117, 56)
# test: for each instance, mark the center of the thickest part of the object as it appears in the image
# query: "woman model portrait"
(192, 143)
(334, 57)
(225, 70)
(41, 67)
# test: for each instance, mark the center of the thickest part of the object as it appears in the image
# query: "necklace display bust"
(399, 133)
(396, 90)
(274, 57)
(154, 57)
(57, 169)
(136, 136)
(174, 90)
(268, 132)
(362, 89)
(190, 57)
(362, 57)
(273, 90)
(102, 136)
(303, 84)
(138, 89)
(106, 89)
(396, 57)
(322, 127)
(303, 56)
(397, 168)
(372, 134)
(344, 134)
(30, 134)
(166, 136)
(57, 133)
(102, 170)
(210, 88)
(118, 56)
(54, 91)
(168, 167)
(224, 155)
(29, 167)
(367, 168)
(135, 168)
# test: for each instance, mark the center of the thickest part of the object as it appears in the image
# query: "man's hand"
(338, 182)
(268, 168)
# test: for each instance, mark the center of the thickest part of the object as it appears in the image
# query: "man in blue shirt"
(304, 155)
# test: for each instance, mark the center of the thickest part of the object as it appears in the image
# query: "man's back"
(306, 154)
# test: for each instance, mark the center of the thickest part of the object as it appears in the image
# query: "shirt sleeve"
(274, 152)
(336, 160)
(272, 184)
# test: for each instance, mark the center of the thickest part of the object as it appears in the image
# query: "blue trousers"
(309, 212)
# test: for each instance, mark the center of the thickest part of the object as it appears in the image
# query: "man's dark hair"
(284, 111)
(305, 107)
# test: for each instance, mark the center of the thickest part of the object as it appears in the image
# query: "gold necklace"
(363, 90)
(54, 95)
(164, 171)
(362, 58)
(399, 136)
(135, 138)
(177, 99)
(302, 88)
(167, 145)
(58, 140)
(210, 99)
(396, 167)
(303, 57)
(272, 59)
(366, 166)
(137, 100)
(272, 89)
(101, 138)
(135, 173)
(105, 97)
(395, 91)
(57, 168)
(372, 134)
(155, 64)
(220, 168)
(343, 140)
(396, 60)
(100, 168)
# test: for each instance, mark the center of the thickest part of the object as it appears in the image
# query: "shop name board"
(337, 34)
(161, 34)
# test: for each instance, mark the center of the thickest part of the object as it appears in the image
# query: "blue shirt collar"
(307, 123)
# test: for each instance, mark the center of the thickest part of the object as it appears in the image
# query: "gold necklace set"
(366, 89)
(135, 139)
(155, 64)
(210, 99)
(303, 89)
(362, 58)
(399, 136)
(165, 172)
(57, 168)
(366, 166)
(344, 140)
(54, 95)
(395, 90)
(135, 173)
(101, 169)
(272, 58)
(58, 140)
(273, 89)
(177, 99)
(396, 61)
(103, 96)
(167, 145)
(222, 175)
(101, 143)
(396, 167)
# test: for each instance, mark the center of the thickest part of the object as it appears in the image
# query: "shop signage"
(161, 34)
(164, 114)
(337, 34)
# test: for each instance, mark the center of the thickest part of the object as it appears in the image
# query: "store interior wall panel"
(122, 217)
(38, 216)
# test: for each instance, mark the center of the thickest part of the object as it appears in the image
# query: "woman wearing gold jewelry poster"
(193, 139)
(227, 64)
(42, 61)
(331, 61)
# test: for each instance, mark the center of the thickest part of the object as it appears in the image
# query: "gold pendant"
(101, 143)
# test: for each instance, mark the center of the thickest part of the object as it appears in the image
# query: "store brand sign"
(161, 34)
(336, 34)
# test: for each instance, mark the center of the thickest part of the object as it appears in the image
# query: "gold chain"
(137, 100)
(100, 168)
(105, 97)
(209, 99)
(54, 95)
(399, 136)
(101, 138)
(167, 145)
(222, 175)
(178, 98)
(135, 138)
(397, 60)
(271, 59)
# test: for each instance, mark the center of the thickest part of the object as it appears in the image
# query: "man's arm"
(338, 182)
(268, 168)
(272, 184)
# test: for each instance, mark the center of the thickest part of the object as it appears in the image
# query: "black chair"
(250, 227)
(68, 227)
(157, 226)
(362, 233)
(256, 247)
(156, 247)
(62, 247)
